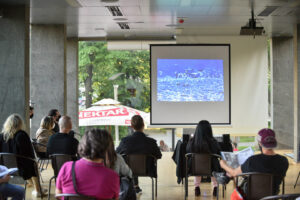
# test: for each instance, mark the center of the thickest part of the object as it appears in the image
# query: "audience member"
(54, 113)
(15, 140)
(234, 146)
(43, 134)
(92, 177)
(62, 142)
(16, 192)
(139, 143)
(266, 162)
(31, 112)
(115, 161)
(163, 146)
(204, 142)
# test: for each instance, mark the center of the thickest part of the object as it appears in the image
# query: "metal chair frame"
(14, 165)
(144, 171)
(56, 168)
(297, 180)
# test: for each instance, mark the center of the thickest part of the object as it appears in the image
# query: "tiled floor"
(168, 187)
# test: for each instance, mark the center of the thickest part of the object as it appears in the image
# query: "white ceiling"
(148, 18)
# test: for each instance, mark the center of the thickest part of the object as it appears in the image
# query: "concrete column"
(14, 63)
(47, 71)
(72, 81)
(283, 90)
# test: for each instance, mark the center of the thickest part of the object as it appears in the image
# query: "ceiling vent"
(109, 1)
(123, 25)
(267, 11)
(114, 10)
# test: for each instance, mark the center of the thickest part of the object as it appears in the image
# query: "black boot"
(215, 191)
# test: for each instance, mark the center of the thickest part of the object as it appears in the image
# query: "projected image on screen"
(190, 80)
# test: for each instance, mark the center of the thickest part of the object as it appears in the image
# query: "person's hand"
(223, 163)
(5, 179)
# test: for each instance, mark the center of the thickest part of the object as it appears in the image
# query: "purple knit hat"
(266, 137)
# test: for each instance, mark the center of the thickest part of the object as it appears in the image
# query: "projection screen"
(189, 83)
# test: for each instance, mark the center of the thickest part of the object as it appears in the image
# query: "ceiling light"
(120, 19)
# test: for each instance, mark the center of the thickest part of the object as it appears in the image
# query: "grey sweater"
(121, 167)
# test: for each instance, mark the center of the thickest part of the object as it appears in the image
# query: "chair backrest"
(284, 197)
(58, 160)
(259, 185)
(200, 164)
(75, 197)
(138, 163)
(9, 160)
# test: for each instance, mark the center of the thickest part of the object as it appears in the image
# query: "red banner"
(116, 112)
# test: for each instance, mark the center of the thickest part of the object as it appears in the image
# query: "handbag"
(236, 195)
(127, 191)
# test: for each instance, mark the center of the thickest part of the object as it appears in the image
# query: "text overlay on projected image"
(190, 80)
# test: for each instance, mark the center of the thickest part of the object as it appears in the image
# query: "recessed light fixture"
(171, 25)
(120, 19)
(99, 29)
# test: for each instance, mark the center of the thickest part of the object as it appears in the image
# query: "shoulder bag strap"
(74, 178)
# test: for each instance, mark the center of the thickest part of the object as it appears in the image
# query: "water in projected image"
(190, 80)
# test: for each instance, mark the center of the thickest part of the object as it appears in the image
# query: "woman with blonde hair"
(14, 139)
(43, 134)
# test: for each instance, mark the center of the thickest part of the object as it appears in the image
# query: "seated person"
(163, 146)
(54, 113)
(92, 177)
(16, 192)
(139, 143)
(15, 140)
(266, 162)
(62, 142)
(115, 161)
(204, 142)
(43, 134)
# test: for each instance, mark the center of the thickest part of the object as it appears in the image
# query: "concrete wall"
(283, 90)
(72, 81)
(14, 68)
(47, 71)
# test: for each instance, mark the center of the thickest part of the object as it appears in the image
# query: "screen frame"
(229, 84)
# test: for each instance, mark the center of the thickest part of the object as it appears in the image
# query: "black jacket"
(179, 159)
(20, 144)
(139, 143)
(61, 143)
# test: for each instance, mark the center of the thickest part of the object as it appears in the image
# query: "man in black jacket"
(139, 143)
(62, 142)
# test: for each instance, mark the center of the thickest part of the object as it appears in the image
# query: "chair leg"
(47, 163)
(297, 180)
(152, 188)
(155, 187)
(49, 189)
(25, 186)
(186, 182)
(218, 187)
(223, 190)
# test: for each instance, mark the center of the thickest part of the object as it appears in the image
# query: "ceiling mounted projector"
(251, 28)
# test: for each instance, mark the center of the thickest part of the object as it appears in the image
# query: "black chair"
(10, 160)
(198, 165)
(138, 165)
(259, 185)
(297, 180)
(74, 197)
(284, 197)
(57, 161)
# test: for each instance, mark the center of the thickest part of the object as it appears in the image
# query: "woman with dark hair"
(115, 161)
(92, 176)
(204, 142)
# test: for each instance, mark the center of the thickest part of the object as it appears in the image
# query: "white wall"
(249, 86)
